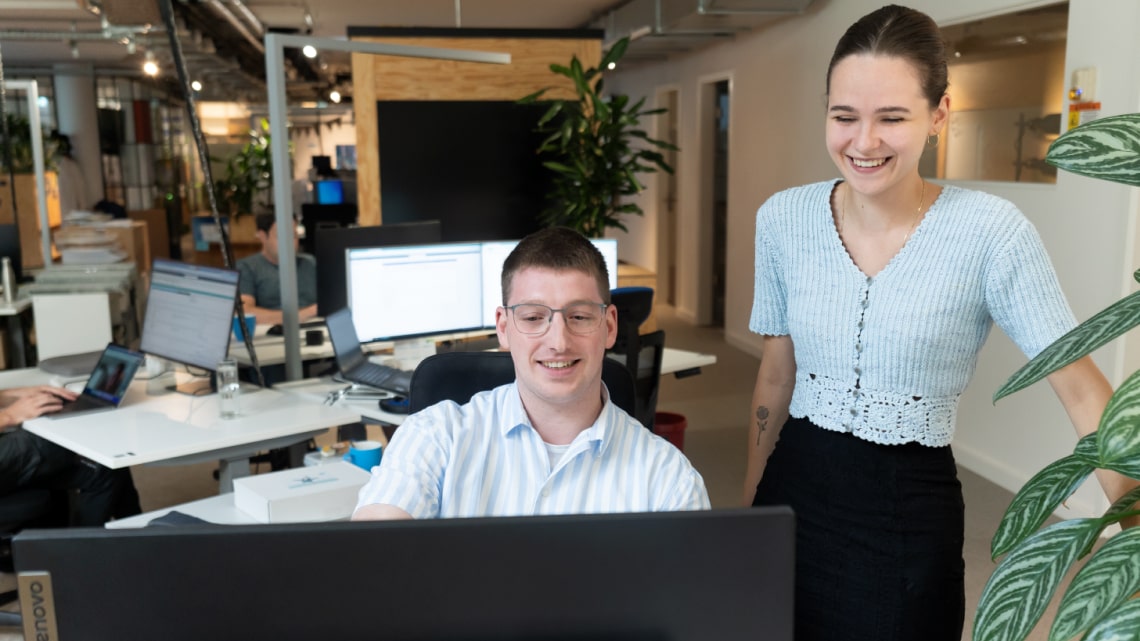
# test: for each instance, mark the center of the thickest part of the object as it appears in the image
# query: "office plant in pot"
(1100, 603)
(596, 147)
(244, 187)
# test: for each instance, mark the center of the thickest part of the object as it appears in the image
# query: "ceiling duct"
(662, 27)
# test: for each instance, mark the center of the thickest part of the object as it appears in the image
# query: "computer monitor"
(406, 291)
(316, 216)
(330, 243)
(495, 253)
(329, 192)
(677, 576)
(189, 314)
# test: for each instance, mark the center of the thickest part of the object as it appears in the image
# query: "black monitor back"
(666, 576)
(330, 245)
(316, 216)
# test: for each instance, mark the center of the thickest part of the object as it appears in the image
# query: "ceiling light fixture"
(310, 51)
(611, 66)
(334, 96)
(150, 67)
(195, 85)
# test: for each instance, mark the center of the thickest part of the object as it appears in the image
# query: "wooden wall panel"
(395, 78)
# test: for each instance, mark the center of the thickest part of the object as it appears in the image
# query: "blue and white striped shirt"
(485, 459)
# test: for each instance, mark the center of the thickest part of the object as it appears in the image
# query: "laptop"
(107, 384)
(354, 365)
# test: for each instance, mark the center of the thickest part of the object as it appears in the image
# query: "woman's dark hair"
(899, 32)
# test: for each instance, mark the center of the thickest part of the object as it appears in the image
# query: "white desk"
(175, 429)
(215, 509)
(682, 363)
(674, 361)
(271, 349)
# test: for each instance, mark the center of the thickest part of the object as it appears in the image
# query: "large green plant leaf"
(1110, 323)
(1023, 583)
(1107, 580)
(1122, 625)
(1106, 148)
(1038, 498)
(1122, 507)
(1120, 429)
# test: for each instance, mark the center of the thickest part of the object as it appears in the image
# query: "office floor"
(716, 406)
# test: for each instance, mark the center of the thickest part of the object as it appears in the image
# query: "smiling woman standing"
(874, 294)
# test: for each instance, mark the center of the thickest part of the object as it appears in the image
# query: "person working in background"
(551, 442)
(28, 461)
(72, 184)
(874, 293)
(260, 284)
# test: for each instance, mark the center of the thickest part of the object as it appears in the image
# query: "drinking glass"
(229, 389)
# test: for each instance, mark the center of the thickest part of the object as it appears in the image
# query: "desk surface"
(316, 389)
(14, 307)
(176, 428)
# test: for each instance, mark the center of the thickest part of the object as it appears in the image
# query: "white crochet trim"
(881, 417)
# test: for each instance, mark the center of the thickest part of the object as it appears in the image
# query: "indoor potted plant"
(596, 148)
(1099, 603)
(247, 180)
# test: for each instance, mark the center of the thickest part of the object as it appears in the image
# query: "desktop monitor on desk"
(330, 244)
(664, 576)
(189, 314)
(405, 291)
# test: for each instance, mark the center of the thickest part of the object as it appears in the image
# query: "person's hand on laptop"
(26, 403)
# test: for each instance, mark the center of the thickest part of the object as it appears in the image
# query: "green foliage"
(20, 135)
(596, 148)
(249, 173)
(1100, 604)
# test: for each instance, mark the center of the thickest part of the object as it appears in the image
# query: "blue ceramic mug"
(364, 454)
(250, 324)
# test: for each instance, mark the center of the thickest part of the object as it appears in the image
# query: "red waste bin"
(671, 427)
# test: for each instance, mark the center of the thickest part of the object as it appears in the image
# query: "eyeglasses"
(580, 318)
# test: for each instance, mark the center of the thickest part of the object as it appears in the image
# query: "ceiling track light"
(150, 66)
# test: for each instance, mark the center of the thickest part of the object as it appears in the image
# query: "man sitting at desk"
(28, 461)
(551, 442)
(260, 284)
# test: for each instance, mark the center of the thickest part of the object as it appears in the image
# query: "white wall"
(776, 141)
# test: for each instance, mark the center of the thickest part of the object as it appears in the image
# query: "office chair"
(457, 376)
(642, 354)
(634, 304)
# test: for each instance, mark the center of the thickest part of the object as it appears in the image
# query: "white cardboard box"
(304, 494)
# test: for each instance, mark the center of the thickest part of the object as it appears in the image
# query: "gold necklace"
(913, 224)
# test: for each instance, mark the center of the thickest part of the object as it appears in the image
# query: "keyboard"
(381, 376)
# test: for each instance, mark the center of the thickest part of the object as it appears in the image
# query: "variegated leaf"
(1120, 429)
(1123, 504)
(1036, 501)
(1023, 583)
(1106, 148)
(1109, 323)
(1087, 449)
(1111, 575)
(1123, 624)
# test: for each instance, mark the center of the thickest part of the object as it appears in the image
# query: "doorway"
(667, 201)
(715, 118)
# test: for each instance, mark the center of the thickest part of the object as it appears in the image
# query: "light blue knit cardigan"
(887, 358)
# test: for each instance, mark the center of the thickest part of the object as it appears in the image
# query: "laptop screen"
(113, 373)
(345, 343)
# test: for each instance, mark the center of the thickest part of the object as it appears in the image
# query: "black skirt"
(879, 534)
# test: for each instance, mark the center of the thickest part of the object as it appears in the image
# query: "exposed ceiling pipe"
(222, 11)
(109, 33)
(250, 19)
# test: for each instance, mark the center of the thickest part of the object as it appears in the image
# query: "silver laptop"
(107, 384)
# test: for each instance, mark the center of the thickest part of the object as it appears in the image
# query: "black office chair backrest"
(634, 304)
(645, 366)
(457, 376)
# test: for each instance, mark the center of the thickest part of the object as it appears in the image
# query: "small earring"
(933, 137)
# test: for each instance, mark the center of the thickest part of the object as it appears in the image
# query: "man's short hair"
(559, 249)
(265, 221)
